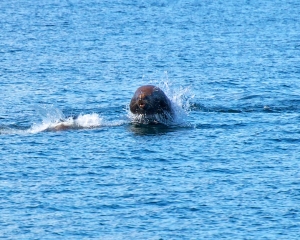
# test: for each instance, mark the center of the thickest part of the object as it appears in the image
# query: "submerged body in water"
(150, 105)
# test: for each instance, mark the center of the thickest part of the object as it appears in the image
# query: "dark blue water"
(229, 167)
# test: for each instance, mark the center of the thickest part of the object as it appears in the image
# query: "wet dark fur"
(151, 103)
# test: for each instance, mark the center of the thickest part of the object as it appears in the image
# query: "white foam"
(88, 121)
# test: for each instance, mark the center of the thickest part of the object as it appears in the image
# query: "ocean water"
(227, 168)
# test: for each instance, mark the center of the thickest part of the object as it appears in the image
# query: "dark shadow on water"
(150, 129)
(248, 105)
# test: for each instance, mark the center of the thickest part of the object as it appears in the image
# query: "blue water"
(228, 168)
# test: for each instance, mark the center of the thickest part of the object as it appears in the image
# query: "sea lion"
(151, 105)
(62, 126)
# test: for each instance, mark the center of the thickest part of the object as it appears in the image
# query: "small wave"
(4, 130)
(244, 108)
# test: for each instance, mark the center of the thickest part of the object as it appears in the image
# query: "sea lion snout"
(142, 102)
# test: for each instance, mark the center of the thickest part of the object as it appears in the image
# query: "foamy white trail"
(54, 120)
(82, 121)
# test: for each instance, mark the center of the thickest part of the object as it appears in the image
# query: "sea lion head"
(149, 100)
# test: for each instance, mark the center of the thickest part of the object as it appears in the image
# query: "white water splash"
(89, 120)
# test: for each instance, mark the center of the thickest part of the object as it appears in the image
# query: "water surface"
(230, 169)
